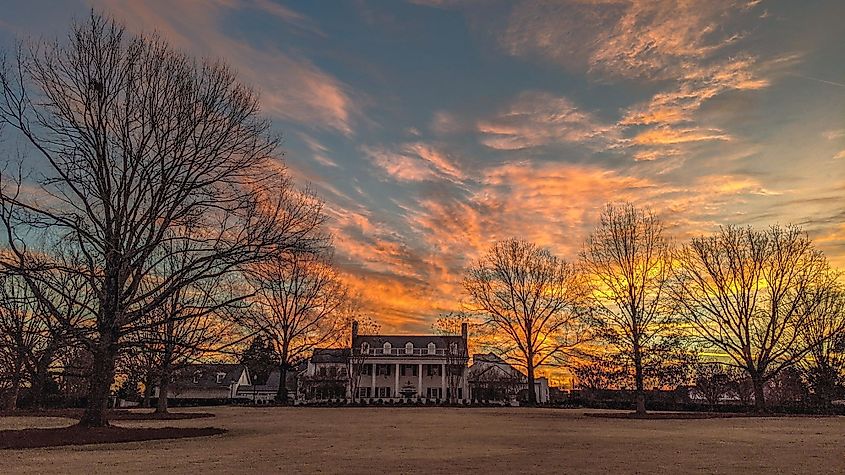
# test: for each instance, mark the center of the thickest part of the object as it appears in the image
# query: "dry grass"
(448, 440)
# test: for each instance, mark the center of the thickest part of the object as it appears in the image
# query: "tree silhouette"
(751, 294)
(530, 298)
(628, 262)
(136, 141)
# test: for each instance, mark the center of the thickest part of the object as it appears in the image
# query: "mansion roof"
(410, 345)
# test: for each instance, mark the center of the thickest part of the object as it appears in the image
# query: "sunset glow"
(432, 128)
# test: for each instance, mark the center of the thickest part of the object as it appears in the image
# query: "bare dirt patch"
(75, 435)
(118, 415)
(690, 415)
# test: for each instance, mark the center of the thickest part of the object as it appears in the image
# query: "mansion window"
(408, 370)
(365, 369)
(432, 370)
(433, 393)
(383, 369)
(383, 391)
(364, 392)
(330, 371)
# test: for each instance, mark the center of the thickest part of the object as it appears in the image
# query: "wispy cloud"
(291, 87)
(414, 162)
(536, 119)
(647, 39)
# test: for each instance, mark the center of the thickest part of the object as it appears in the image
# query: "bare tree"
(713, 381)
(190, 323)
(137, 140)
(297, 305)
(530, 298)
(596, 372)
(357, 357)
(22, 332)
(824, 333)
(628, 262)
(750, 294)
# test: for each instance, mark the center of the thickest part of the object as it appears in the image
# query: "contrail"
(820, 80)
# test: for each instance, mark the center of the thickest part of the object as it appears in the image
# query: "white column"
(442, 380)
(419, 383)
(373, 393)
(396, 384)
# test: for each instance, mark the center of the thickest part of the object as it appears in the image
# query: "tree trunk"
(532, 395)
(148, 390)
(102, 377)
(282, 393)
(163, 387)
(638, 377)
(759, 396)
(39, 383)
(11, 402)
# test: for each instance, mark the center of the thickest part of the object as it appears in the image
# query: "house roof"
(330, 355)
(487, 358)
(486, 363)
(204, 376)
(272, 384)
(399, 341)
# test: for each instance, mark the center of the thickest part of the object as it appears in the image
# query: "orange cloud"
(414, 162)
(538, 118)
(668, 136)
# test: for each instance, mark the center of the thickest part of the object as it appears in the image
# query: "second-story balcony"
(404, 352)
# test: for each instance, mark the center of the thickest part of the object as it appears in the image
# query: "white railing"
(400, 352)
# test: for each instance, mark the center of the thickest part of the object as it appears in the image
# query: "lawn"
(449, 440)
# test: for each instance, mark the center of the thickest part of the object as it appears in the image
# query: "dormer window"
(453, 348)
(409, 348)
(431, 348)
(220, 377)
(386, 347)
(365, 347)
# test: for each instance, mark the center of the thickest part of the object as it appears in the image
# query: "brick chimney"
(464, 332)
(354, 333)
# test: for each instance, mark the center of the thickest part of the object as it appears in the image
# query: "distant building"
(207, 383)
(491, 378)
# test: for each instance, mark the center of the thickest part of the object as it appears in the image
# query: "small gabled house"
(490, 378)
(266, 393)
(207, 383)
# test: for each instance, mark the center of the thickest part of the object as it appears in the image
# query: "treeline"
(737, 312)
(154, 228)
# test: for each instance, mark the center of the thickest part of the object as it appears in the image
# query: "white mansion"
(390, 366)
(397, 367)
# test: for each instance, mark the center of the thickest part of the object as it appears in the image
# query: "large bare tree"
(627, 260)
(299, 305)
(750, 294)
(531, 298)
(134, 140)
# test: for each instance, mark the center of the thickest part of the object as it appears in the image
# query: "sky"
(433, 128)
